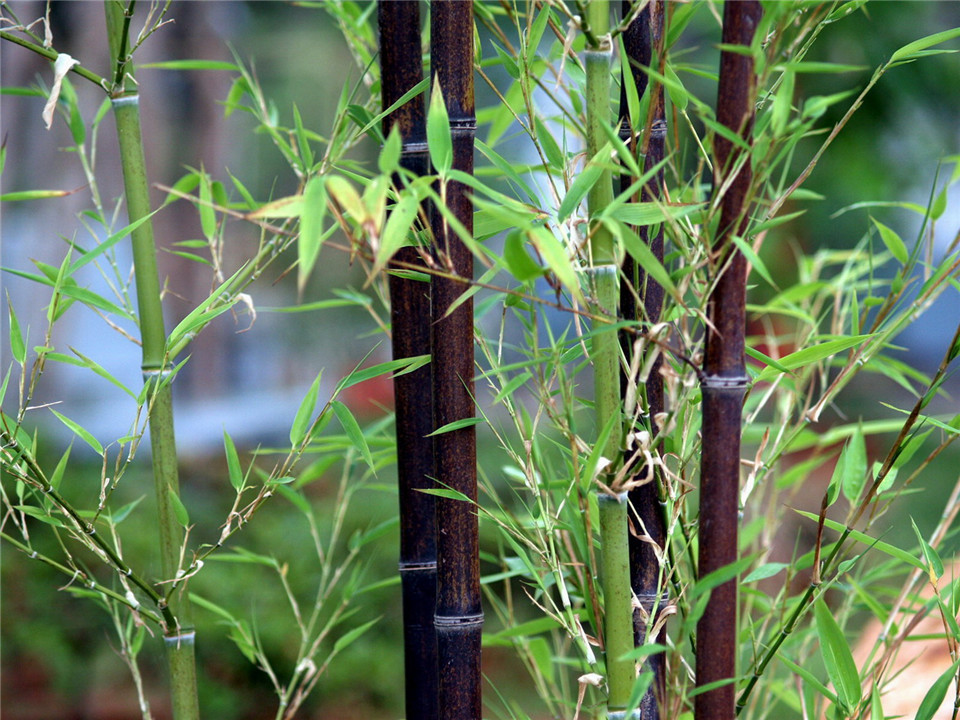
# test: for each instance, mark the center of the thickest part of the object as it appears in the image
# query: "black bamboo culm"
(459, 616)
(401, 69)
(724, 380)
(642, 36)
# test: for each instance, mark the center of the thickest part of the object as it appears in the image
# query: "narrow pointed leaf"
(233, 462)
(837, 657)
(301, 422)
(82, 433)
(353, 431)
(439, 140)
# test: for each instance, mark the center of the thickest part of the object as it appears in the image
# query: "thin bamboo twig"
(724, 381)
(646, 500)
(459, 615)
(179, 640)
(401, 69)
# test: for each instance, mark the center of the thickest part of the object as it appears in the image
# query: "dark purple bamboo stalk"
(401, 69)
(724, 379)
(641, 36)
(459, 615)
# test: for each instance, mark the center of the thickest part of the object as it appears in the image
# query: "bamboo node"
(415, 566)
(623, 714)
(725, 382)
(133, 99)
(458, 620)
(185, 638)
(415, 148)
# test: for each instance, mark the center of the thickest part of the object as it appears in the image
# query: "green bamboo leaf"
(876, 706)
(398, 367)
(191, 65)
(301, 422)
(930, 555)
(852, 466)
(120, 515)
(179, 509)
(389, 157)
(893, 242)
(644, 256)
(286, 207)
(764, 571)
(208, 216)
(456, 425)
(811, 679)
(934, 698)
(555, 255)
(57, 476)
(34, 195)
(92, 299)
(583, 183)
(811, 355)
(678, 94)
(511, 386)
(755, 261)
(350, 636)
(837, 657)
(398, 229)
(766, 360)
(347, 197)
(233, 462)
(439, 140)
(445, 493)
(311, 229)
(112, 240)
(650, 213)
(353, 431)
(303, 142)
(910, 50)
(783, 103)
(518, 261)
(82, 433)
(861, 537)
(18, 347)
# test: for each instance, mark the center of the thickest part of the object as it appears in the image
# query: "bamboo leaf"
(555, 255)
(208, 216)
(837, 657)
(120, 515)
(397, 230)
(934, 698)
(233, 462)
(644, 256)
(22, 195)
(583, 183)
(518, 261)
(57, 476)
(811, 355)
(810, 678)
(398, 367)
(910, 50)
(439, 140)
(389, 157)
(349, 637)
(311, 229)
(852, 466)
(347, 197)
(301, 422)
(456, 425)
(81, 432)
(893, 242)
(930, 555)
(287, 207)
(353, 431)
(764, 571)
(18, 347)
(179, 509)
(191, 65)
(861, 537)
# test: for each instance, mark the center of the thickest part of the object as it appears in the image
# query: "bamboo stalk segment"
(179, 638)
(401, 63)
(459, 615)
(724, 380)
(645, 32)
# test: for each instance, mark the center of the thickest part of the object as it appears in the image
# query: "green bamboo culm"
(179, 639)
(605, 356)
(724, 379)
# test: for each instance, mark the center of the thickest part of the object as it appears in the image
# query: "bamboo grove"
(609, 401)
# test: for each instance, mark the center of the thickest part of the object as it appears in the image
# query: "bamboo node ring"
(133, 99)
(722, 382)
(458, 620)
(186, 638)
(412, 566)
